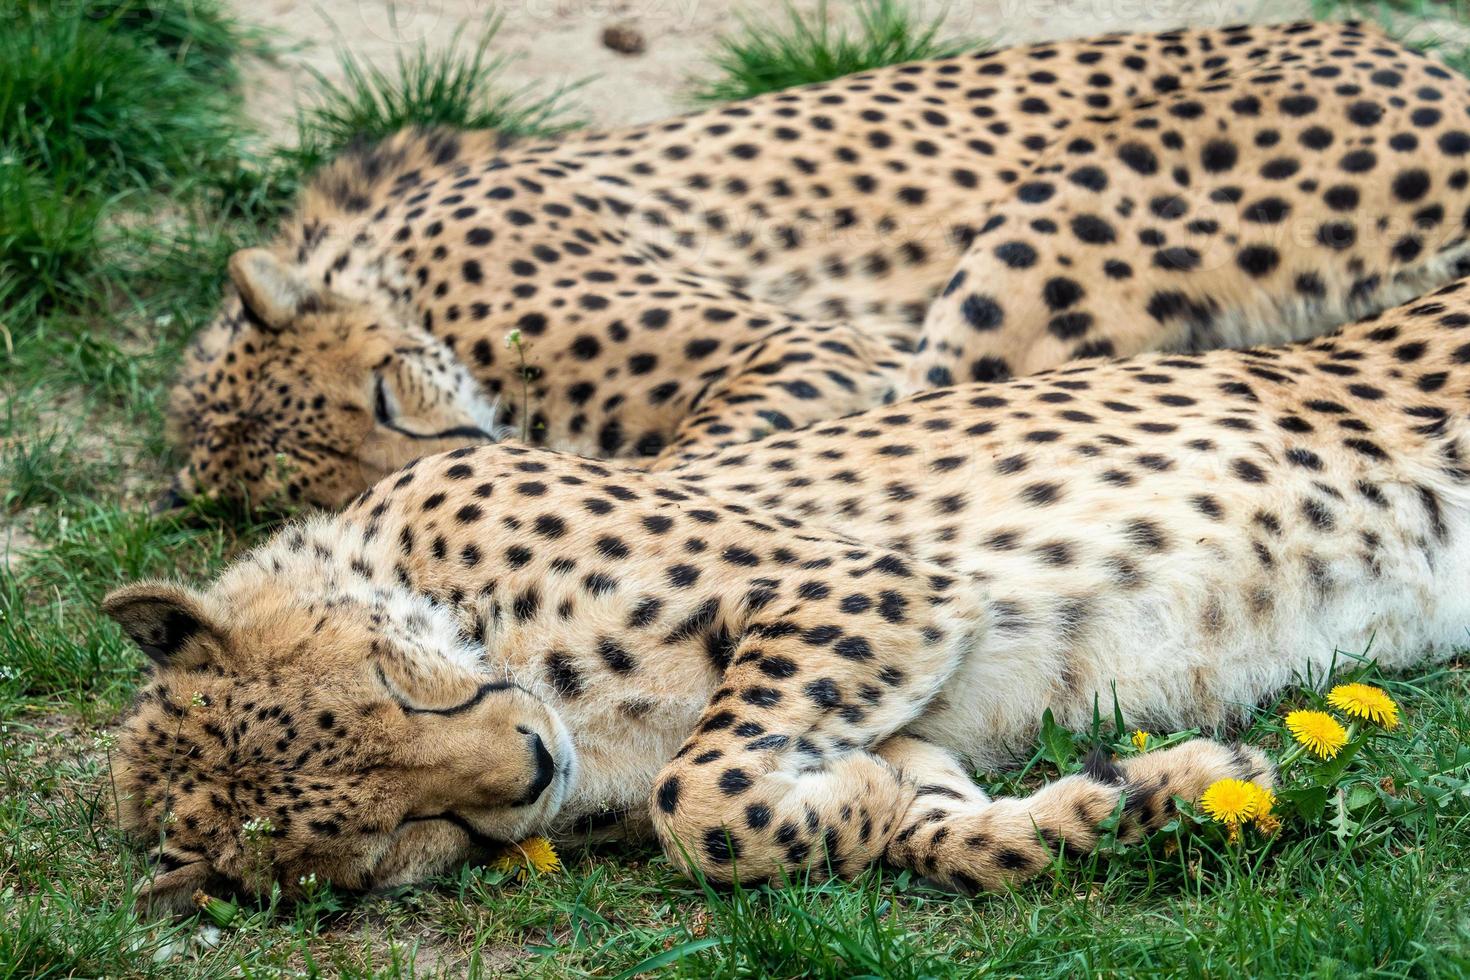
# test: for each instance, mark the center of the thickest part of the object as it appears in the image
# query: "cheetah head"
(300, 395)
(354, 737)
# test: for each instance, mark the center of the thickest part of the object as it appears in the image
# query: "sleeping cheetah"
(787, 654)
(701, 281)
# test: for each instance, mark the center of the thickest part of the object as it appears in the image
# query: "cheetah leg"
(781, 774)
(793, 375)
(957, 836)
(799, 815)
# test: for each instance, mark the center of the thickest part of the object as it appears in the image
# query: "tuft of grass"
(201, 36)
(1423, 10)
(828, 930)
(105, 106)
(58, 652)
(766, 57)
(461, 88)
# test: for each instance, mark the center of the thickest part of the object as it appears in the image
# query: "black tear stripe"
(484, 690)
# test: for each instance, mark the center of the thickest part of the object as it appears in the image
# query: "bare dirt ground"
(559, 42)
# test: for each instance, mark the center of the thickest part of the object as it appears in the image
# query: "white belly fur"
(1169, 670)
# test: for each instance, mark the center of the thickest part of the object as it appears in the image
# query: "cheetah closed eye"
(787, 654)
(701, 281)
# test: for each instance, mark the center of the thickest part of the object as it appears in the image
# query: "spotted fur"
(705, 280)
(788, 653)
(1329, 180)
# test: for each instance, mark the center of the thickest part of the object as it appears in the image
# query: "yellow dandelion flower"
(1366, 702)
(1230, 800)
(1318, 731)
(1140, 740)
(533, 853)
(1266, 821)
(1265, 802)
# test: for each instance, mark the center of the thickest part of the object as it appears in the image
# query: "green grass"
(85, 98)
(109, 111)
(462, 88)
(112, 248)
(764, 56)
(49, 236)
(197, 34)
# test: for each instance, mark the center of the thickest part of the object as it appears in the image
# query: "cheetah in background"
(786, 655)
(705, 280)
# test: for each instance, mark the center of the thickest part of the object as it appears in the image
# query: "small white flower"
(197, 700)
(258, 828)
(104, 741)
(513, 339)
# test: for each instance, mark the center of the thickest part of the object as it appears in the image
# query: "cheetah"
(788, 655)
(702, 281)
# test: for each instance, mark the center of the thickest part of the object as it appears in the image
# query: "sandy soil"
(559, 42)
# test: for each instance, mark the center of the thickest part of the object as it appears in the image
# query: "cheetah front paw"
(972, 844)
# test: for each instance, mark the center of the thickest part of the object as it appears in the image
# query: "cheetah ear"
(167, 622)
(172, 885)
(276, 293)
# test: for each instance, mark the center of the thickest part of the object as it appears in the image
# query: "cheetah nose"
(545, 769)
